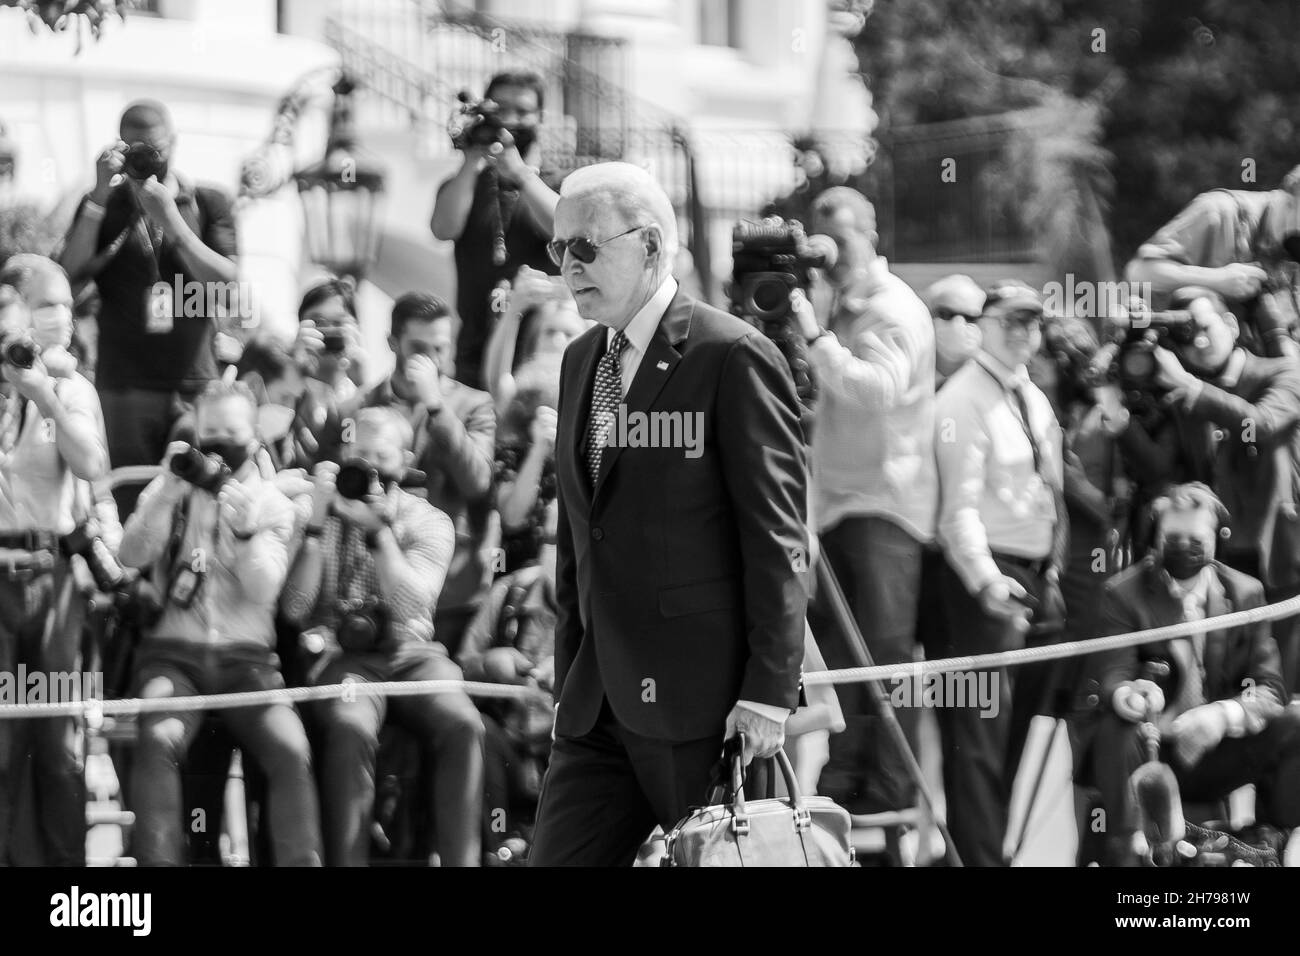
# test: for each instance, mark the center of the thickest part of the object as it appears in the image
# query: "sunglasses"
(1029, 321)
(583, 249)
(947, 315)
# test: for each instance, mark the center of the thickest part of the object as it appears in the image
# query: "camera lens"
(334, 340)
(20, 354)
(1138, 365)
(770, 297)
(354, 479)
(188, 464)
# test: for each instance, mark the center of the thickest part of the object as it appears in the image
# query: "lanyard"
(1020, 408)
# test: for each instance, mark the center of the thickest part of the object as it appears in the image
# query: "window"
(720, 23)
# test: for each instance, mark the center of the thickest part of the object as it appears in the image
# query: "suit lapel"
(657, 366)
(1217, 603)
(586, 360)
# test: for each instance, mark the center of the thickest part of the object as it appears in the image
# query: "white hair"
(633, 192)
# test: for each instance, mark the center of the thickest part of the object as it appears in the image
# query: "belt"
(1035, 566)
(23, 566)
(29, 540)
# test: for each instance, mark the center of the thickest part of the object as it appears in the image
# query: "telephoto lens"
(207, 472)
(355, 479)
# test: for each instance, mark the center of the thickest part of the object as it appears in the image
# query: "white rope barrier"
(94, 710)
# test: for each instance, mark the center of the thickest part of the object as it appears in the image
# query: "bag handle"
(739, 812)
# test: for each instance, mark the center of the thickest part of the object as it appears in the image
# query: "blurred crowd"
(986, 474)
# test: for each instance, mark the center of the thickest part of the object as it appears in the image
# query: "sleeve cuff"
(770, 711)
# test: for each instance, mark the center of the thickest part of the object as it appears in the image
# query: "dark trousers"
(878, 565)
(272, 735)
(139, 423)
(975, 746)
(605, 791)
(1269, 759)
(41, 616)
(449, 728)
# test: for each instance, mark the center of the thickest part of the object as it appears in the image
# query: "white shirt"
(640, 331)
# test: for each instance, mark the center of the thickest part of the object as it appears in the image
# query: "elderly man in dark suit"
(682, 537)
(1216, 697)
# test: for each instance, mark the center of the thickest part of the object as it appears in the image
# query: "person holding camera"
(364, 586)
(329, 354)
(875, 490)
(1216, 698)
(51, 443)
(1003, 530)
(216, 534)
(497, 209)
(454, 428)
(540, 319)
(1241, 244)
(141, 227)
(525, 461)
(1243, 415)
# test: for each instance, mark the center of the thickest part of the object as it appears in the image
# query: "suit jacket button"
(598, 534)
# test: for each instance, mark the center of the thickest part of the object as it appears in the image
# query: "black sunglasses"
(947, 315)
(583, 249)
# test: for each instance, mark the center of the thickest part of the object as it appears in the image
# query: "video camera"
(770, 259)
(206, 472)
(475, 122)
(19, 350)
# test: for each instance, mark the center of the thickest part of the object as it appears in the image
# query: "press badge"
(158, 311)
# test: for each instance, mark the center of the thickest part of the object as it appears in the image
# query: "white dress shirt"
(640, 331)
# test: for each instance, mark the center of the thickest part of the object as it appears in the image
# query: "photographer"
(1215, 697)
(1245, 413)
(875, 490)
(525, 461)
(454, 428)
(1241, 244)
(50, 442)
(497, 209)
(151, 227)
(328, 351)
(364, 585)
(217, 540)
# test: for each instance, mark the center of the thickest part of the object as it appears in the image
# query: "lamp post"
(342, 195)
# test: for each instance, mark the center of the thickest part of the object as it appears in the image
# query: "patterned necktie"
(605, 396)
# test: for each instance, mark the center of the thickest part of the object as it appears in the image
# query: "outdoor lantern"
(342, 196)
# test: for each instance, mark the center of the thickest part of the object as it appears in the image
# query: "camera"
(475, 122)
(206, 472)
(20, 350)
(363, 624)
(1128, 356)
(140, 161)
(85, 540)
(356, 478)
(335, 341)
(770, 259)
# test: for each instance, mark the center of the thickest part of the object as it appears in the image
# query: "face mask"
(955, 343)
(274, 421)
(52, 326)
(1183, 559)
(232, 453)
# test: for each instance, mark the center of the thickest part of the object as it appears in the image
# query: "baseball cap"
(1011, 295)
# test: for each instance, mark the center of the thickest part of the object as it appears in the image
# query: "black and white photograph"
(589, 434)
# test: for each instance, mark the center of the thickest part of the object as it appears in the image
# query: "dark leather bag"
(793, 831)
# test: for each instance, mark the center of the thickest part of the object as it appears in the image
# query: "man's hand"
(159, 205)
(1170, 372)
(1138, 700)
(542, 430)
(323, 494)
(1198, 731)
(804, 316)
(505, 665)
(508, 161)
(422, 372)
(1240, 280)
(33, 384)
(59, 362)
(292, 482)
(1004, 597)
(308, 342)
(107, 166)
(368, 514)
(531, 287)
(544, 674)
(239, 508)
(763, 737)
